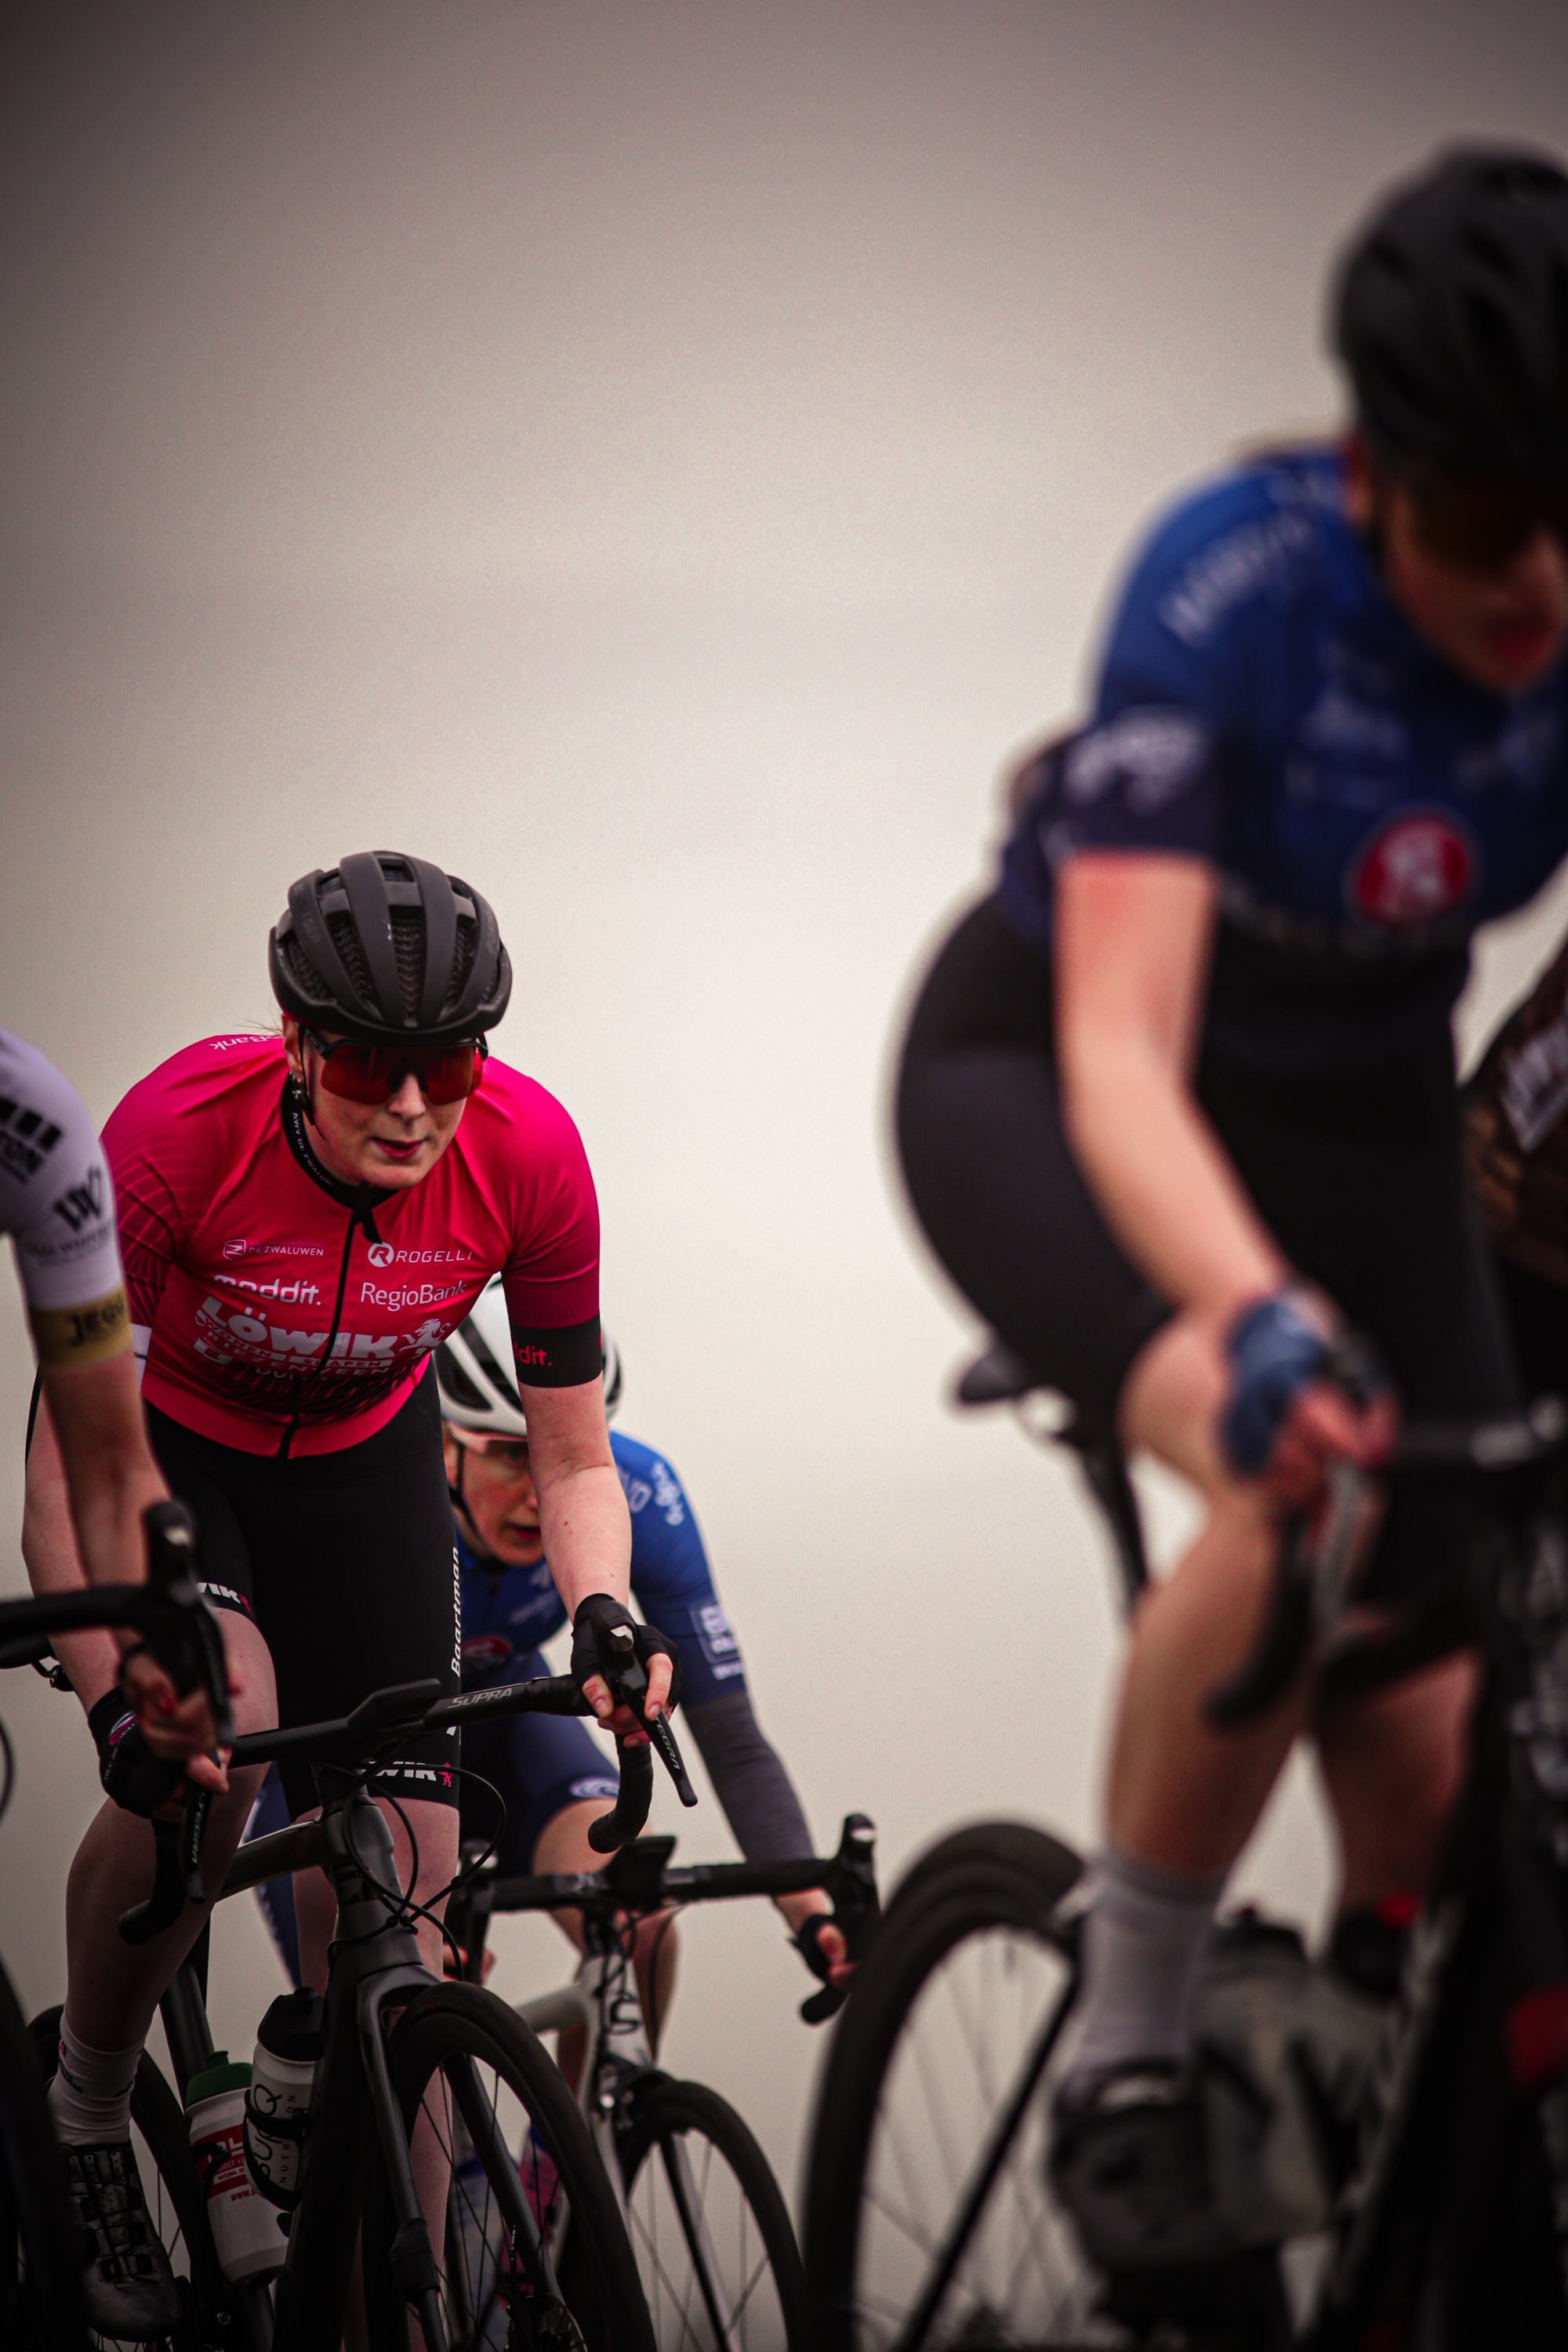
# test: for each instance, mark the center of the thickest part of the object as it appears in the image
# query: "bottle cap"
(295, 2025)
(220, 2074)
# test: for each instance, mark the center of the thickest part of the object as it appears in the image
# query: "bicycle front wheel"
(176, 2204)
(711, 2233)
(454, 2045)
(929, 2222)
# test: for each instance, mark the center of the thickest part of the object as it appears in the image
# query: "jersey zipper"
(360, 1200)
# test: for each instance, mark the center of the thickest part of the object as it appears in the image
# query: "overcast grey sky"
(657, 460)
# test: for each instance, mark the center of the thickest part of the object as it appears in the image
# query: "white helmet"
(474, 1371)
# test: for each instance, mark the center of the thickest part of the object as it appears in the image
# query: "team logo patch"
(1413, 871)
(483, 1650)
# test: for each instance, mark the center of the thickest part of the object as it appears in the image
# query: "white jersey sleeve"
(58, 1204)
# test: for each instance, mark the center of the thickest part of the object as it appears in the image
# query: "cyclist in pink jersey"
(302, 1219)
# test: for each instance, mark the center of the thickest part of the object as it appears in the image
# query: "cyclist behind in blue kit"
(1177, 1103)
(551, 1775)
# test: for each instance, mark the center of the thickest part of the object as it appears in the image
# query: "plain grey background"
(659, 461)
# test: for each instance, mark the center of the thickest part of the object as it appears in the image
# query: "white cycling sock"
(89, 2094)
(1143, 1938)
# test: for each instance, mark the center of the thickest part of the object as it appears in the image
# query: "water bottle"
(278, 2109)
(245, 2229)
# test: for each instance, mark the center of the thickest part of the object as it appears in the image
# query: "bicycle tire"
(40, 2279)
(602, 2309)
(176, 2204)
(951, 2021)
(725, 2273)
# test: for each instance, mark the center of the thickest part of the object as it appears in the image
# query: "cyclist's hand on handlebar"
(626, 1687)
(1302, 1394)
(817, 1937)
(1323, 1426)
(175, 1729)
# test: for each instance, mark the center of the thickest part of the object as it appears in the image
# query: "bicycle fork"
(625, 2059)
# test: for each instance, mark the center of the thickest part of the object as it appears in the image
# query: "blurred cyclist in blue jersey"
(555, 1777)
(1177, 1105)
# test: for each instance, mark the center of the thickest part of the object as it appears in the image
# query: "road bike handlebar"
(1314, 1570)
(403, 1711)
(642, 1879)
(182, 1633)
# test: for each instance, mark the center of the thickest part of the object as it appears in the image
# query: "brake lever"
(176, 1869)
(628, 1687)
(626, 1680)
(181, 1616)
(857, 1909)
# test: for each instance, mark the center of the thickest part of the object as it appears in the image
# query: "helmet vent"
(457, 1388)
(345, 939)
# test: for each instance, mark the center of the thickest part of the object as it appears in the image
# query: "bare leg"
(1392, 1764)
(1183, 1797)
(113, 1988)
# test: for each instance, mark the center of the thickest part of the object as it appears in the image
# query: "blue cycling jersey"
(508, 1612)
(1264, 707)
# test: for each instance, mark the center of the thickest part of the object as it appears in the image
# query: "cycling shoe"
(1129, 2163)
(127, 2284)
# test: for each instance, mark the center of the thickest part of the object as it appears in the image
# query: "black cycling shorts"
(347, 1562)
(1358, 1177)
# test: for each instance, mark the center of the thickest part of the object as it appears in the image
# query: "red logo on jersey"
(1417, 869)
(481, 1652)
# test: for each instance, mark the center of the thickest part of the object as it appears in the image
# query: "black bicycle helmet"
(387, 948)
(1451, 314)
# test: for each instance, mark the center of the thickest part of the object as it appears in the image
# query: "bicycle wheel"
(490, 2297)
(40, 2282)
(928, 2219)
(712, 2236)
(174, 2202)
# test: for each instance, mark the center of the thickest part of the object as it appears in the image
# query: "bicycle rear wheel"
(720, 2265)
(176, 2204)
(492, 2300)
(928, 2219)
(40, 2283)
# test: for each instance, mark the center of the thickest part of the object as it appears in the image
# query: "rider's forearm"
(91, 1659)
(110, 1471)
(1167, 1189)
(749, 1779)
(588, 1534)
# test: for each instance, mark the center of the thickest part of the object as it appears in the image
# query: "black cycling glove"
(138, 1781)
(807, 1941)
(597, 1616)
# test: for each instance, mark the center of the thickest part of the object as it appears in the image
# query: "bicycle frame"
(604, 2002)
(1502, 1890)
(375, 1968)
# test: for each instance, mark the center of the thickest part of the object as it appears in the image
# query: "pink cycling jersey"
(278, 1312)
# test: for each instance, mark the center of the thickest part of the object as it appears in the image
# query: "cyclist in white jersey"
(57, 1205)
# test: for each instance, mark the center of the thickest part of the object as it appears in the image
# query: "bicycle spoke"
(960, 2068)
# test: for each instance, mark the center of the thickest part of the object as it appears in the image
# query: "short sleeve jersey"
(57, 1205)
(1263, 705)
(509, 1611)
(277, 1313)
